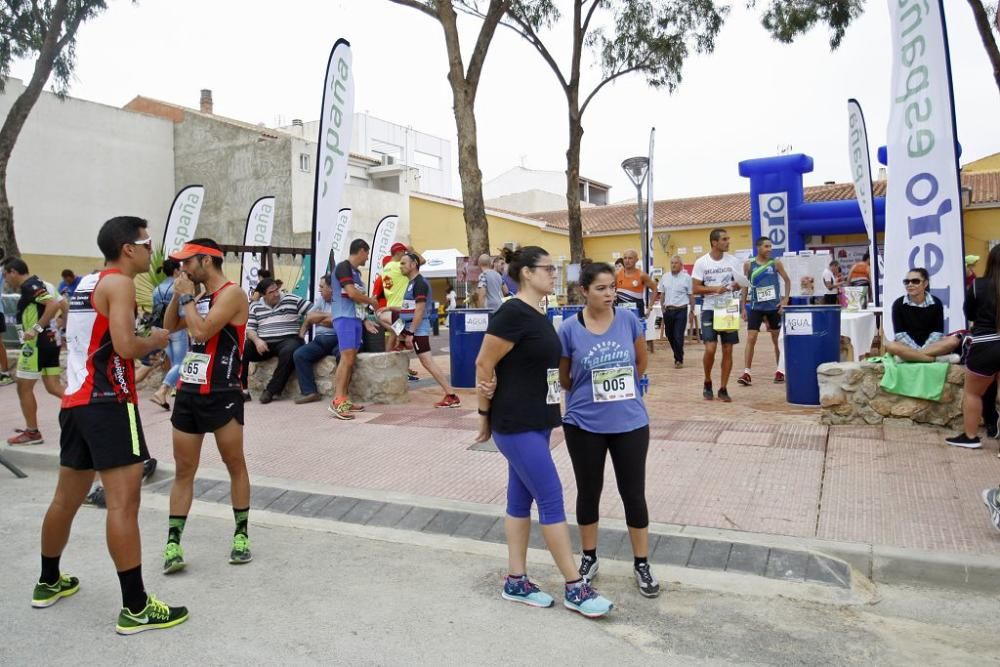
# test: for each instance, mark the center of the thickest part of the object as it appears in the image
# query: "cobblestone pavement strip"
(755, 465)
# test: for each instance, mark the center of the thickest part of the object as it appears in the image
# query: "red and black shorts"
(101, 436)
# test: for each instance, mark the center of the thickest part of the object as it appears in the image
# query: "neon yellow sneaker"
(46, 595)
(241, 550)
(173, 558)
(155, 616)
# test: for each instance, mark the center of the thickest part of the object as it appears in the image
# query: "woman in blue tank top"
(603, 357)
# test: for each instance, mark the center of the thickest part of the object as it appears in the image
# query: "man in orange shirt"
(631, 283)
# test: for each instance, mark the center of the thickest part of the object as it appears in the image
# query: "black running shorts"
(206, 413)
(421, 344)
(984, 357)
(758, 317)
(101, 436)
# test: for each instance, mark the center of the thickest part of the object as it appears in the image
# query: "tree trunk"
(18, 114)
(476, 230)
(573, 186)
(989, 41)
(463, 92)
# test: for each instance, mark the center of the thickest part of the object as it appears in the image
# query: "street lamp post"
(636, 169)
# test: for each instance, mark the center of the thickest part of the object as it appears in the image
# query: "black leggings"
(588, 451)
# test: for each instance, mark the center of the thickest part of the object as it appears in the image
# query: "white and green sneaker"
(173, 558)
(156, 615)
(46, 595)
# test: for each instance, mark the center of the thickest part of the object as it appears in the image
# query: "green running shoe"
(46, 595)
(155, 616)
(173, 558)
(241, 550)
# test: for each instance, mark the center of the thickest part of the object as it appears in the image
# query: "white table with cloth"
(860, 328)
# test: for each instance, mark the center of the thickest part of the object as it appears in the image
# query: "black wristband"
(483, 413)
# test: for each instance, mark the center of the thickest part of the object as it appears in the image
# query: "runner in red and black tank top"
(209, 398)
(95, 373)
(225, 350)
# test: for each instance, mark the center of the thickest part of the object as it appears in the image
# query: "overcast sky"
(265, 62)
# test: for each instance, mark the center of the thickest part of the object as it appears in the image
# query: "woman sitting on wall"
(918, 320)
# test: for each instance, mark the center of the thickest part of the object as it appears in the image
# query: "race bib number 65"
(613, 384)
(194, 368)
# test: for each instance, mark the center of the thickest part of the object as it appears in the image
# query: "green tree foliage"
(45, 31)
(648, 38)
(464, 80)
(787, 19)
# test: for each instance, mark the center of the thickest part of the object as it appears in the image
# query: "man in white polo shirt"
(677, 296)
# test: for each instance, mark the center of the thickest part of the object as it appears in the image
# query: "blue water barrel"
(812, 337)
(558, 314)
(466, 330)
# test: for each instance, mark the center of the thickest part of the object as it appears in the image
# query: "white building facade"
(77, 164)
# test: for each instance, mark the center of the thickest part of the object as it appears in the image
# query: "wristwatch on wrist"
(38, 328)
(185, 300)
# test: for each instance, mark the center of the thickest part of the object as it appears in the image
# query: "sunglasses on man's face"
(148, 242)
(912, 281)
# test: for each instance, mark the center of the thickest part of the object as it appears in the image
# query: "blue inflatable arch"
(778, 209)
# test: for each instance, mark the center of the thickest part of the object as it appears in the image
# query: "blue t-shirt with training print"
(607, 401)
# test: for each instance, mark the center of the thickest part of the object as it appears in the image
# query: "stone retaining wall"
(849, 393)
(379, 377)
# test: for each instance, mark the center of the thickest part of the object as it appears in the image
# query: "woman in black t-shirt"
(520, 353)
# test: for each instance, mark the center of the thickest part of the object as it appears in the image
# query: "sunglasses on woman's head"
(912, 281)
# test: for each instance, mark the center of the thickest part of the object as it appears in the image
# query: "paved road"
(353, 595)
(756, 465)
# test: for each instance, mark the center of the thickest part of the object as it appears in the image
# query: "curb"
(843, 565)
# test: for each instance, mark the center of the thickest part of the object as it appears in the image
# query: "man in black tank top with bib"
(209, 393)
(101, 429)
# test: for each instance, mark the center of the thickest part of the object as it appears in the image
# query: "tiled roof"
(735, 207)
(985, 187)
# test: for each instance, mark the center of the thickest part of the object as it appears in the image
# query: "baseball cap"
(397, 247)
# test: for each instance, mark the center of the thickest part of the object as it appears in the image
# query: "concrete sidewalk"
(323, 592)
(755, 466)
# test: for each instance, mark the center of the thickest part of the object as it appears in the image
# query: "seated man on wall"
(323, 343)
(273, 331)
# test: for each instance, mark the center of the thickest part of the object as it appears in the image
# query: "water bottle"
(643, 385)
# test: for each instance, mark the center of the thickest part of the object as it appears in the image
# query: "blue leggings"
(531, 476)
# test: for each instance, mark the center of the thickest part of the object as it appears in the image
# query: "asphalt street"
(319, 594)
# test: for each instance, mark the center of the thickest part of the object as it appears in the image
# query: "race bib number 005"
(613, 384)
(194, 368)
